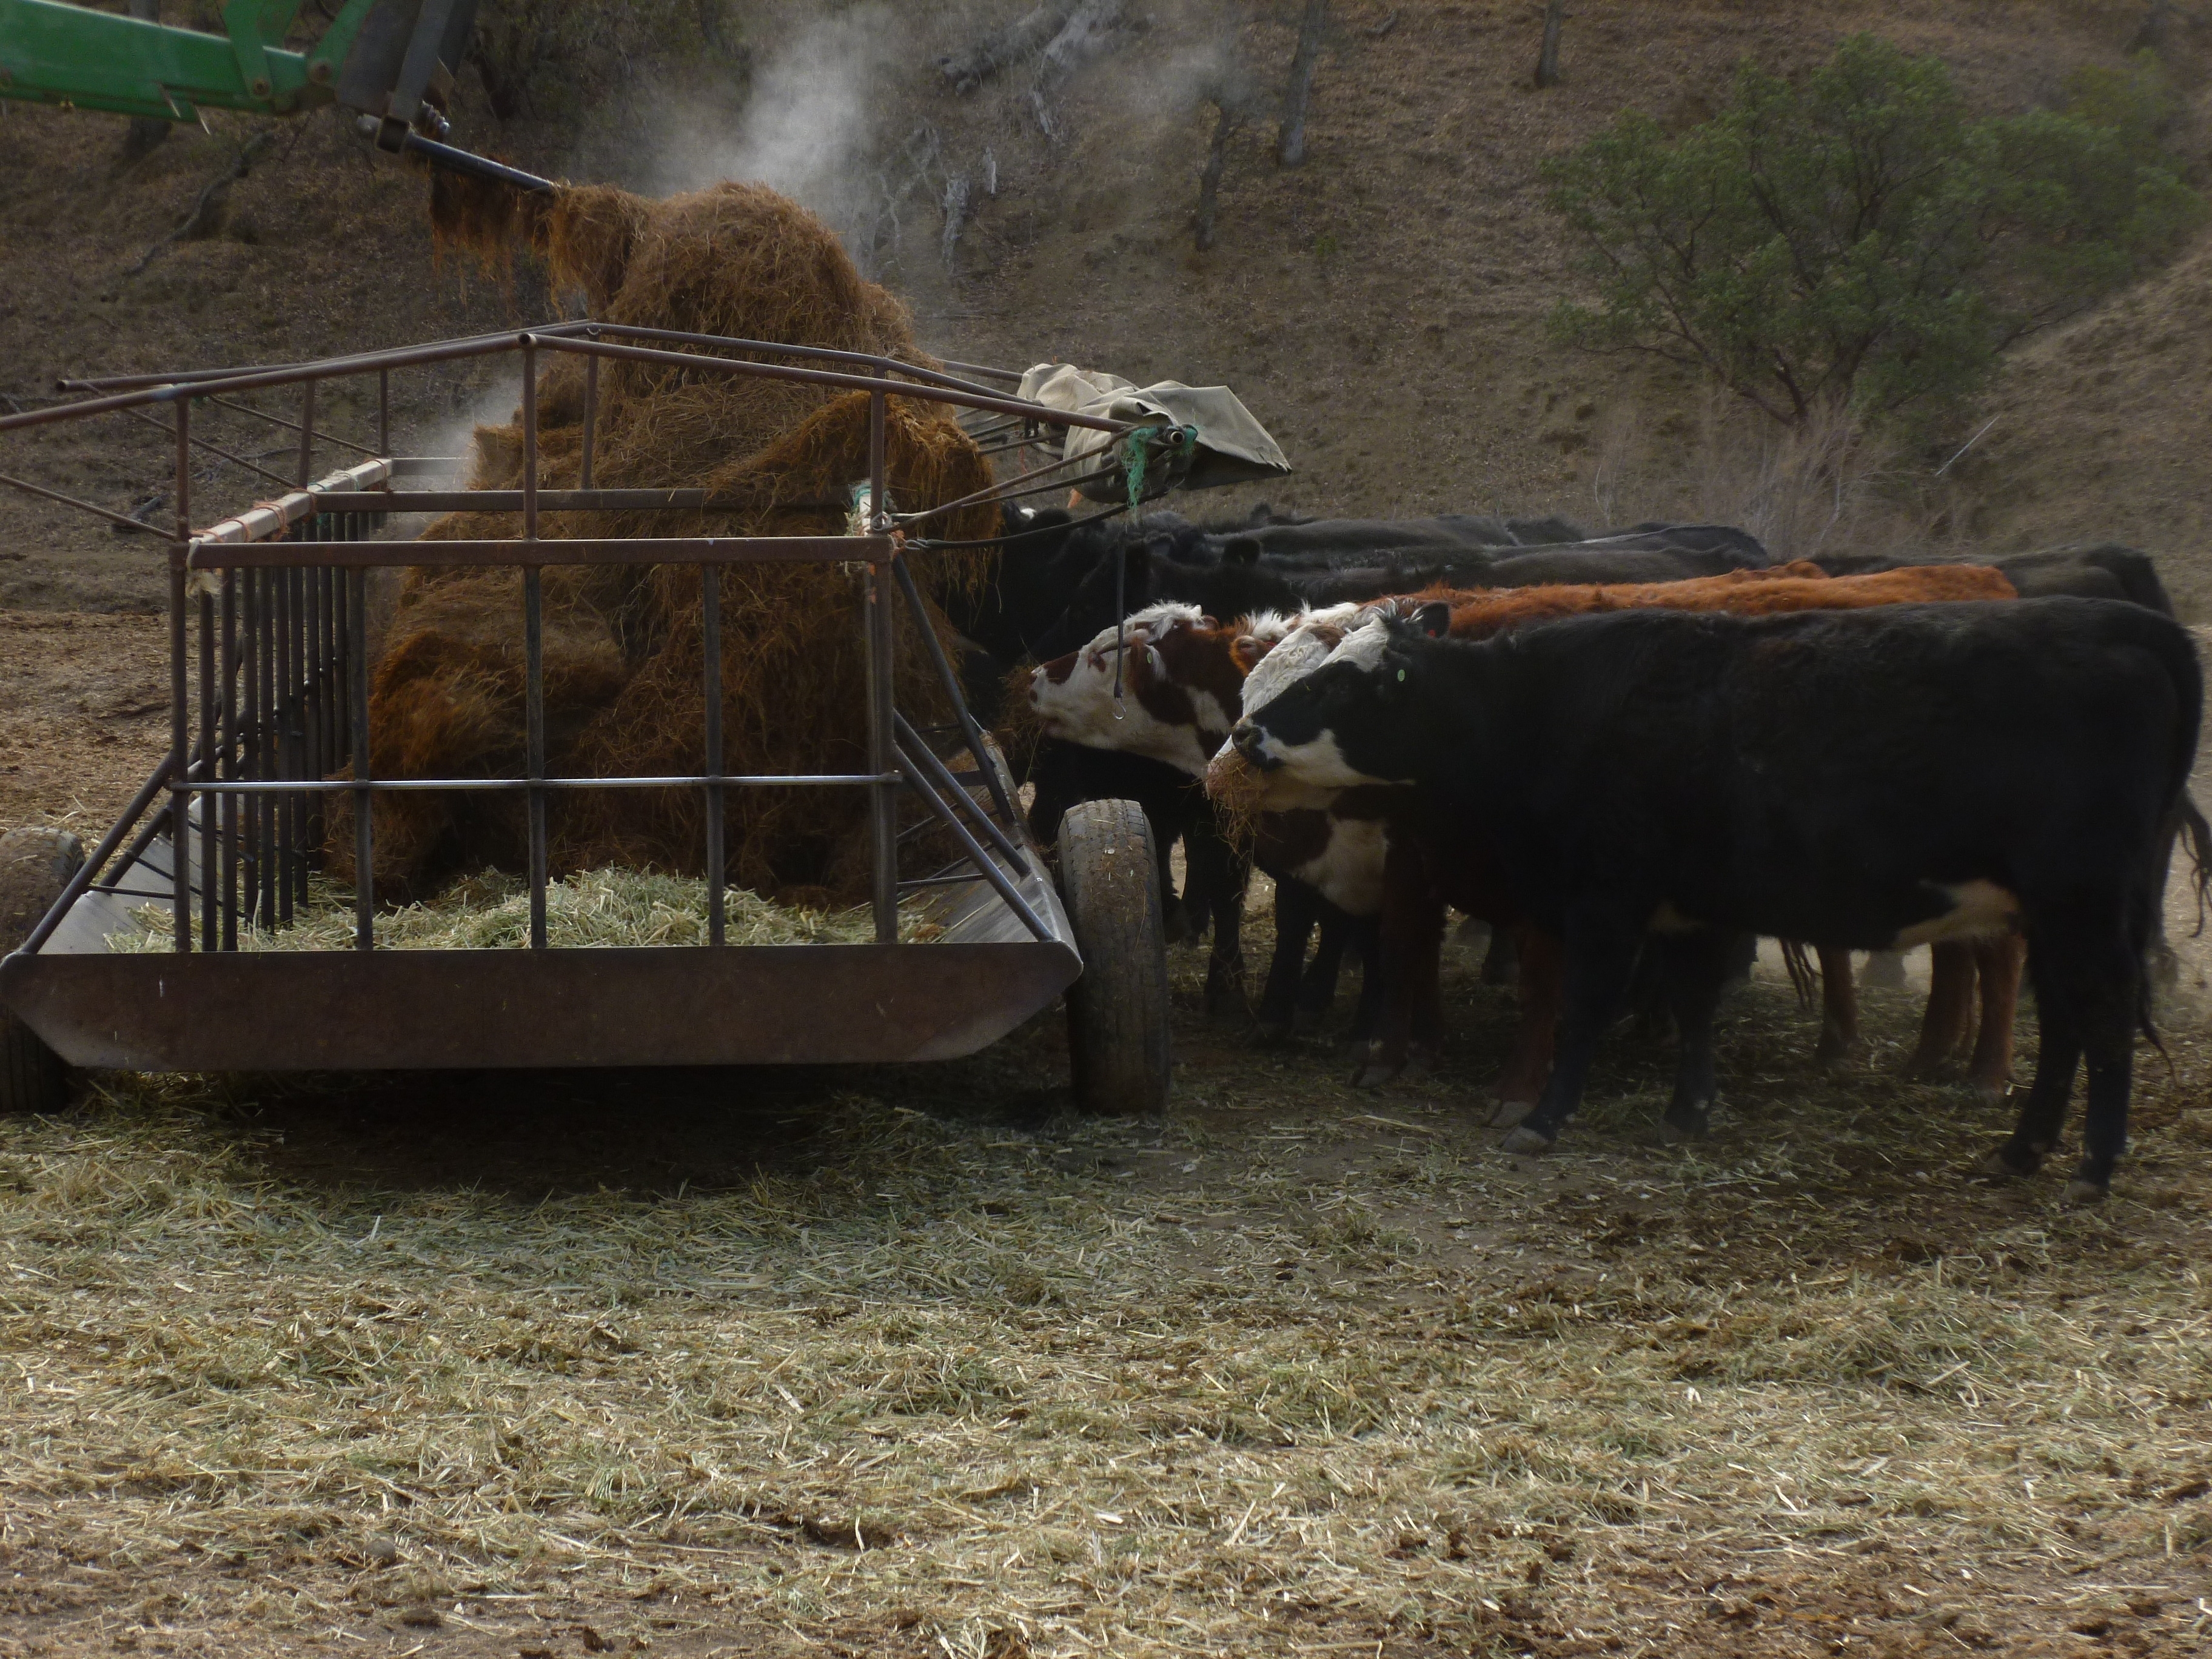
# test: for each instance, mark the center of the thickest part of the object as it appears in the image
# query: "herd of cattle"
(1631, 755)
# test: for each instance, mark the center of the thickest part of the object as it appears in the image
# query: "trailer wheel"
(35, 865)
(1117, 1012)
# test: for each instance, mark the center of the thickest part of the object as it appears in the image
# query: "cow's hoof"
(1989, 1093)
(1683, 1123)
(1837, 1054)
(2010, 1162)
(1506, 1114)
(1226, 1002)
(1525, 1142)
(1373, 1073)
(2081, 1190)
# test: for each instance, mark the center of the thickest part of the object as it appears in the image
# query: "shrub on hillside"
(1854, 239)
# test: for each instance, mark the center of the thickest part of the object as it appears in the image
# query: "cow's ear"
(1434, 619)
(1157, 662)
(1208, 623)
(1241, 550)
(1246, 651)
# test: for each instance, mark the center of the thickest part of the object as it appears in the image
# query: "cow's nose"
(1245, 739)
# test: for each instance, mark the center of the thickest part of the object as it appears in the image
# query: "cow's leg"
(1317, 984)
(2058, 1058)
(1998, 961)
(1950, 1008)
(1409, 949)
(1530, 1064)
(1180, 912)
(1224, 873)
(1298, 907)
(1600, 954)
(1697, 968)
(1365, 936)
(1499, 966)
(2088, 979)
(1839, 1007)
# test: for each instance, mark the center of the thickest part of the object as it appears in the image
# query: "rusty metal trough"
(268, 688)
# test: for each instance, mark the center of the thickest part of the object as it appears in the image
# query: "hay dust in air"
(910, 1362)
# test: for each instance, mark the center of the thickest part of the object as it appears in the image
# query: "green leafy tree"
(1856, 239)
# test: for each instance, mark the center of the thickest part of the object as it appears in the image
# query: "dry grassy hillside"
(1380, 309)
(2100, 432)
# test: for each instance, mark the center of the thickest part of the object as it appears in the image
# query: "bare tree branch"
(1291, 142)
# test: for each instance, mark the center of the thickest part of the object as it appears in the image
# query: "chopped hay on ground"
(491, 912)
(1297, 1371)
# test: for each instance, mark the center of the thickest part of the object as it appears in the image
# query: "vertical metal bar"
(950, 681)
(210, 805)
(288, 750)
(181, 889)
(364, 851)
(249, 742)
(232, 688)
(311, 713)
(710, 631)
(306, 432)
(882, 798)
(384, 412)
(264, 621)
(534, 646)
(303, 727)
(590, 417)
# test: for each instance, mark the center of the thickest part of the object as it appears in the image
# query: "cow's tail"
(1803, 979)
(2196, 839)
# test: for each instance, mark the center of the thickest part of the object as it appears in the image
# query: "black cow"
(1872, 778)
(1245, 578)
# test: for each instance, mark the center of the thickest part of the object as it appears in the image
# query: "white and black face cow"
(1339, 723)
(1180, 675)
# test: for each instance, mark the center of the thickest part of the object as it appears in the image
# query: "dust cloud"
(817, 113)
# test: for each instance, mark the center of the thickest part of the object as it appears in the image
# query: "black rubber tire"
(35, 865)
(1117, 1012)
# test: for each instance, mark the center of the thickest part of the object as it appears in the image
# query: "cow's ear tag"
(1401, 677)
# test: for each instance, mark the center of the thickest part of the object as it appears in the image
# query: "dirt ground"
(478, 1365)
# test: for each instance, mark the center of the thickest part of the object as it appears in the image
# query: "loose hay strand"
(1341, 1380)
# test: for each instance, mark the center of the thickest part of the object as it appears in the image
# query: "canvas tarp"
(1232, 446)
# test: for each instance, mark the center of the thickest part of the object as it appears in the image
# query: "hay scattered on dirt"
(491, 912)
(1297, 1369)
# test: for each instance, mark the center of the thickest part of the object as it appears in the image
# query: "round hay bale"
(625, 658)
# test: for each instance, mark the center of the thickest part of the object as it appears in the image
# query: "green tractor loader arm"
(388, 59)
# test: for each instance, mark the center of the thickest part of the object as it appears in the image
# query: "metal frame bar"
(283, 679)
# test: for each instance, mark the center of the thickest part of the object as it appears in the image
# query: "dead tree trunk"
(1290, 142)
(147, 131)
(1027, 35)
(1227, 118)
(955, 217)
(1547, 58)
